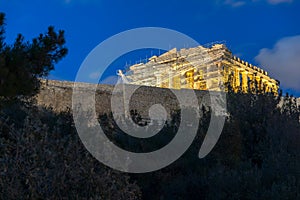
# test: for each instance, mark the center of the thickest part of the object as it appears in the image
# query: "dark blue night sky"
(262, 32)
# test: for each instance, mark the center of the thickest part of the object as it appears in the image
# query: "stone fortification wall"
(58, 95)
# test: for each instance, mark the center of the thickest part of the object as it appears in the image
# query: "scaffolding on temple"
(201, 68)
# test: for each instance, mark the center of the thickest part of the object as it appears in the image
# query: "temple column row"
(242, 79)
(245, 80)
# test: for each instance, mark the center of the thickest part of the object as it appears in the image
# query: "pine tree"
(23, 63)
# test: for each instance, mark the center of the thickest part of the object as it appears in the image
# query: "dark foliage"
(256, 157)
(23, 62)
(42, 157)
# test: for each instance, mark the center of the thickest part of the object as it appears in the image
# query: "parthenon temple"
(201, 68)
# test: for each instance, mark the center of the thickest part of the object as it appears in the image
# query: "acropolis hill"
(198, 68)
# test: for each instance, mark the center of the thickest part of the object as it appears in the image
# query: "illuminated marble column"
(225, 75)
(275, 88)
(262, 86)
(158, 79)
(258, 84)
(269, 87)
(252, 82)
(171, 79)
(177, 81)
(190, 79)
(244, 82)
(237, 82)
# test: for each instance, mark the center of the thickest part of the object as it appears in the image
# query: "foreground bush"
(256, 157)
(42, 157)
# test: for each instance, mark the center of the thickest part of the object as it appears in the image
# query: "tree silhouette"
(24, 62)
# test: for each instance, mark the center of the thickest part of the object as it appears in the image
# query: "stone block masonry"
(58, 95)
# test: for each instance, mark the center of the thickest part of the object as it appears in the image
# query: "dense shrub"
(256, 157)
(42, 157)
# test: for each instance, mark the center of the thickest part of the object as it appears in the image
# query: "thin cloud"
(67, 1)
(283, 61)
(274, 2)
(239, 3)
(80, 1)
(230, 3)
(234, 3)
